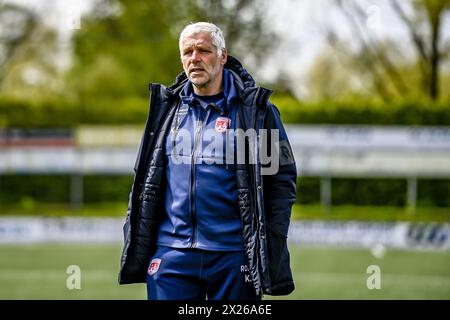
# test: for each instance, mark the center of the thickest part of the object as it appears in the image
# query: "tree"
(123, 45)
(17, 25)
(383, 63)
(242, 21)
(27, 49)
(428, 14)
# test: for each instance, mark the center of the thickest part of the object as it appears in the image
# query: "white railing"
(320, 151)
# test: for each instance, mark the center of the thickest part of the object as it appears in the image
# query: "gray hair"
(215, 32)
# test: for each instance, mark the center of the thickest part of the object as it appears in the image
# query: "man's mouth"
(193, 70)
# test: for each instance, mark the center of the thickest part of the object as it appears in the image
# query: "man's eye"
(188, 52)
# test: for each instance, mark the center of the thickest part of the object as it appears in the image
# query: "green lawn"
(342, 212)
(378, 213)
(39, 272)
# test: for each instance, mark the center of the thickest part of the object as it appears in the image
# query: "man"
(204, 219)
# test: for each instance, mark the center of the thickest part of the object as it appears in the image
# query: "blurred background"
(362, 86)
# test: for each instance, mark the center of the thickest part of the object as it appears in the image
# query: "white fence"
(318, 150)
(321, 151)
(403, 235)
(371, 151)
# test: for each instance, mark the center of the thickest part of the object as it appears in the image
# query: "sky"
(300, 24)
(62, 14)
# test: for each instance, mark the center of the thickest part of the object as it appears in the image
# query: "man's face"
(200, 61)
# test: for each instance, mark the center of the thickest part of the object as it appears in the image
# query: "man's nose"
(195, 56)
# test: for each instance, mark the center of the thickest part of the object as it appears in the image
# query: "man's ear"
(224, 56)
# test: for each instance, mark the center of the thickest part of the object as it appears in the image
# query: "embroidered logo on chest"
(222, 124)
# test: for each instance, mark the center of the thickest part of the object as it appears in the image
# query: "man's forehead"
(201, 38)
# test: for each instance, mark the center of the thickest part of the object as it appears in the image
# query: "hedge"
(400, 113)
(60, 113)
(374, 192)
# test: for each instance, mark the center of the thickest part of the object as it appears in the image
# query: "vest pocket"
(150, 205)
(279, 261)
(244, 206)
(151, 194)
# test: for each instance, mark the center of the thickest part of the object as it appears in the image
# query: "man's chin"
(199, 82)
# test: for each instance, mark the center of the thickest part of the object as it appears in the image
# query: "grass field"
(299, 212)
(39, 272)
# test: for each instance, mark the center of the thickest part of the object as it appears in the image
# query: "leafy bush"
(134, 109)
(28, 190)
(359, 112)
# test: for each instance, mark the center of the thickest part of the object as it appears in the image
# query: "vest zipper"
(253, 166)
(192, 200)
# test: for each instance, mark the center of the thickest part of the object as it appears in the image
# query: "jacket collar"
(229, 89)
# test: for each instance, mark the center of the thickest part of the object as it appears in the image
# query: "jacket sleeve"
(279, 187)
(130, 195)
(127, 224)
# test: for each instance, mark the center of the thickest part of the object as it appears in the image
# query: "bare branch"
(367, 65)
(417, 39)
(445, 50)
(373, 56)
(12, 46)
